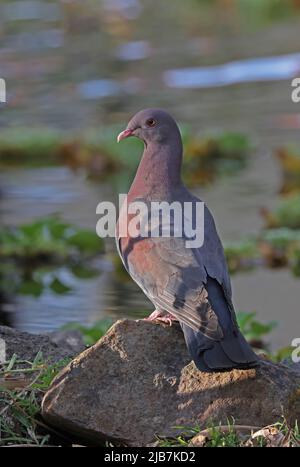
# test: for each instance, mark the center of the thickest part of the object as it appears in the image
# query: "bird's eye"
(150, 122)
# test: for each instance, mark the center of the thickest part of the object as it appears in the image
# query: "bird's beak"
(125, 134)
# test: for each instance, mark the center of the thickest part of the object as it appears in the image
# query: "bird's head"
(151, 126)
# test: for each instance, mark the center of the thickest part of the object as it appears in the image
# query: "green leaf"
(86, 241)
(84, 272)
(59, 287)
(93, 333)
(243, 318)
(31, 287)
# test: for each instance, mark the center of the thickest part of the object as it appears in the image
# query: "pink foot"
(163, 318)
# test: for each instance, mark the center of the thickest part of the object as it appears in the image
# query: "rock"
(54, 347)
(198, 441)
(71, 340)
(295, 366)
(138, 382)
(270, 436)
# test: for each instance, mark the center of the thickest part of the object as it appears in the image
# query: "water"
(242, 71)
(85, 76)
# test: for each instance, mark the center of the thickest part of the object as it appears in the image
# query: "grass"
(22, 386)
(231, 435)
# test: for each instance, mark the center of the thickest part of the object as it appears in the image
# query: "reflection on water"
(135, 50)
(91, 68)
(242, 71)
(30, 10)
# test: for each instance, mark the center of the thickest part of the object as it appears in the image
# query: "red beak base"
(124, 134)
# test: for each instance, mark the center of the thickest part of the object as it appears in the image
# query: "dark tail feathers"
(209, 355)
(232, 351)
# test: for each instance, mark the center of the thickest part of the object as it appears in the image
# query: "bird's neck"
(159, 172)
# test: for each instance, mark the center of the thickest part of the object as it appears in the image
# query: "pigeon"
(190, 285)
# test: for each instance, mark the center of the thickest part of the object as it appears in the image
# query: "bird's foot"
(161, 317)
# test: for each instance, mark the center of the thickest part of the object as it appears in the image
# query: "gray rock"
(294, 365)
(55, 346)
(138, 382)
(71, 340)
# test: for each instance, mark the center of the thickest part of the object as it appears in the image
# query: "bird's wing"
(174, 276)
(212, 256)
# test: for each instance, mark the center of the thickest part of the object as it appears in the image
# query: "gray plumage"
(191, 284)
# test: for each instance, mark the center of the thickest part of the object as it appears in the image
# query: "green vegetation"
(48, 238)
(250, 15)
(22, 386)
(219, 438)
(287, 214)
(257, 333)
(207, 158)
(253, 330)
(91, 334)
(99, 154)
(33, 253)
(213, 436)
(276, 247)
(282, 238)
(241, 256)
(290, 157)
(289, 160)
(231, 435)
(295, 262)
(33, 147)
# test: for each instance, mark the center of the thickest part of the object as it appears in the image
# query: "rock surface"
(138, 382)
(54, 346)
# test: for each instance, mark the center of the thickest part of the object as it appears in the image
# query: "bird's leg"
(162, 317)
(154, 315)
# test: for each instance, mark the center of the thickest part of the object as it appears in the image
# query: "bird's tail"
(232, 351)
(224, 355)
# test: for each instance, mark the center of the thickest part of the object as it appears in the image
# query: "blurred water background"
(224, 65)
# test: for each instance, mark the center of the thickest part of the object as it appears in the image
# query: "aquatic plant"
(97, 151)
(30, 146)
(206, 158)
(33, 254)
(48, 238)
(241, 256)
(286, 214)
(277, 246)
(254, 331)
